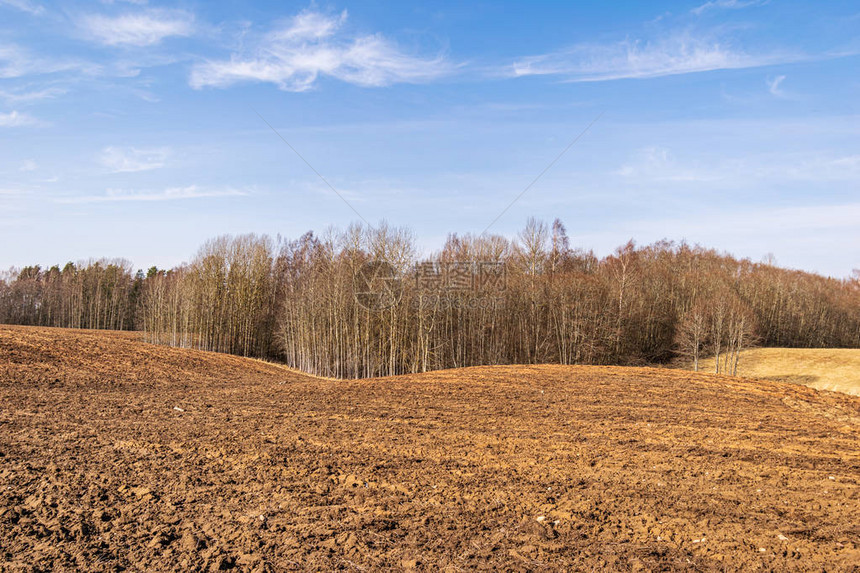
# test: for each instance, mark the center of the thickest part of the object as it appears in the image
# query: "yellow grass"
(826, 369)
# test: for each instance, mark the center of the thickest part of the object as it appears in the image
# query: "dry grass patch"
(836, 369)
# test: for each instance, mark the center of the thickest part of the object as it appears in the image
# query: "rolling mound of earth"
(120, 455)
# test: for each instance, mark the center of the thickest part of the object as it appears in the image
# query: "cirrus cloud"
(24, 6)
(726, 5)
(132, 159)
(168, 194)
(310, 45)
(15, 119)
(679, 53)
(18, 62)
(137, 29)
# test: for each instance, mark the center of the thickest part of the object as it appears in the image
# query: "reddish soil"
(116, 454)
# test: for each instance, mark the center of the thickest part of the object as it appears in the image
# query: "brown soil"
(115, 454)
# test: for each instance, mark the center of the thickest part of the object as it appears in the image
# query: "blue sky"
(130, 129)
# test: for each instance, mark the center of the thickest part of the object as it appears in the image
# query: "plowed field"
(120, 455)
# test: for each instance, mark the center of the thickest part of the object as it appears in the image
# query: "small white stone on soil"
(782, 537)
(541, 518)
(178, 409)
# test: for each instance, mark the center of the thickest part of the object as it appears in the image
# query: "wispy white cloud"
(132, 159)
(680, 53)
(144, 28)
(146, 96)
(24, 6)
(16, 62)
(773, 86)
(657, 165)
(15, 119)
(169, 194)
(311, 45)
(814, 168)
(24, 96)
(726, 5)
(28, 166)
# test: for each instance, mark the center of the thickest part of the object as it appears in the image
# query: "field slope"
(115, 454)
(835, 369)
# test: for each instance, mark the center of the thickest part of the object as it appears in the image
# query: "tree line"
(314, 303)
